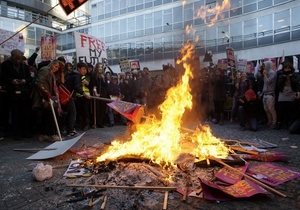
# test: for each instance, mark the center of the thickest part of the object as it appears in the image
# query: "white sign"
(15, 42)
(89, 49)
(295, 63)
(242, 65)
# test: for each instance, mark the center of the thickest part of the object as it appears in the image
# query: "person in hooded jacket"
(74, 84)
(269, 93)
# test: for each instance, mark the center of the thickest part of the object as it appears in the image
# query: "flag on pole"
(131, 111)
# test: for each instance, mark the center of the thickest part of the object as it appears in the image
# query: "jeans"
(71, 115)
(269, 107)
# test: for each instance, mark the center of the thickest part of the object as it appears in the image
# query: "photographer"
(287, 87)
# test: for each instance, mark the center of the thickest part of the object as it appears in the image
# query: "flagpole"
(29, 24)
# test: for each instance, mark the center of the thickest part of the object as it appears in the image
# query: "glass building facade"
(153, 31)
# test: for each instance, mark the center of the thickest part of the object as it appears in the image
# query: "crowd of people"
(26, 89)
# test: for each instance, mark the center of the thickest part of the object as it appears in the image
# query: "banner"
(89, 49)
(16, 42)
(271, 174)
(131, 111)
(127, 65)
(241, 189)
(229, 176)
(48, 48)
(242, 65)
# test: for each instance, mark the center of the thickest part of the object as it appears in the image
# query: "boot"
(221, 119)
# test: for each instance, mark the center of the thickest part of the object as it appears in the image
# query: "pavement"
(19, 189)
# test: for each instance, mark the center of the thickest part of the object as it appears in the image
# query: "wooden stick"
(249, 177)
(124, 187)
(33, 149)
(241, 149)
(166, 200)
(104, 202)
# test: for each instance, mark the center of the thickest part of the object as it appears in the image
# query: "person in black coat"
(247, 110)
(17, 80)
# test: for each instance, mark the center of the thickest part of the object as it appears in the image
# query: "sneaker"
(55, 138)
(43, 137)
(72, 133)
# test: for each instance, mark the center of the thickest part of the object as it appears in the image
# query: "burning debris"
(161, 156)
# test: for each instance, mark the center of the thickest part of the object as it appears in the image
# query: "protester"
(99, 89)
(74, 84)
(236, 84)
(45, 89)
(83, 105)
(219, 94)
(247, 110)
(269, 93)
(113, 90)
(287, 84)
(295, 126)
(17, 79)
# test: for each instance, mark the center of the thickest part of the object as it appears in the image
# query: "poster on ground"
(48, 48)
(9, 44)
(89, 49)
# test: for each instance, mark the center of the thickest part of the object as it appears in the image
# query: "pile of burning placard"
(130, 181)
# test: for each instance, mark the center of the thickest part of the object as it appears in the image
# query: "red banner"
(242, 189)
(271, 174)
(231, 176)
(131, 111)
(48, 47)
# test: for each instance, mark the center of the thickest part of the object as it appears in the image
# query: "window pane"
(265, 23)
(167, 16)
(188, 12)
(149, 20)
(177, 14)
(250, 29)
(295, 16)
(140, 22)
(282, 21)
(264, 3)
(158, 18)
(115, 27)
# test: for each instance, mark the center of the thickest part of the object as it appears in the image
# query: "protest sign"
(89, 49)
(242, 189)
(230, 57)
(48, 47)
(271, 174)
(15, 42)
(229, 176)
(76, 169)
(71, 5)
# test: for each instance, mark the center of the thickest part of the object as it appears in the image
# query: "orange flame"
(162, 141)
(205, 11)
